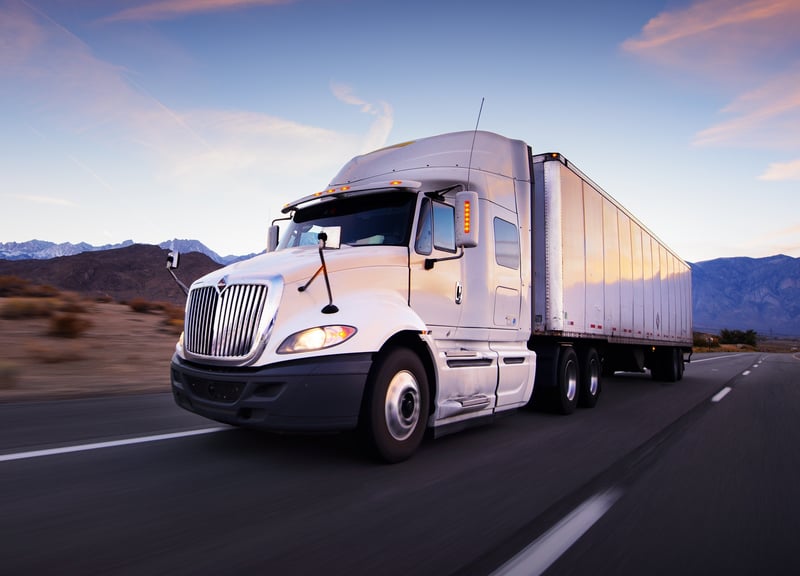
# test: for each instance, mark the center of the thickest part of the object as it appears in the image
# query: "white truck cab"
(408, 315)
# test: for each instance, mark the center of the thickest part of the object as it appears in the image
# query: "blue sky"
(199, 119)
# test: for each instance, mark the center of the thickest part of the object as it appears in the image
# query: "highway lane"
(723, 496)
(234, 500)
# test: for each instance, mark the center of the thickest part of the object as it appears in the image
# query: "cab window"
(506, 244)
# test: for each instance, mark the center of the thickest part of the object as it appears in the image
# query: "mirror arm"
(429, 262)
(330, 308)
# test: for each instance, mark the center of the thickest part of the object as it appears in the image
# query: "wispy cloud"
(747, 48)
(766, 117)
(170, 9)
(782, 171)
(88, 95)
(707, 16)
(46, 200)
(384, 113)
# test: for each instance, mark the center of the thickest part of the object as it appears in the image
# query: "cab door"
(436, 285)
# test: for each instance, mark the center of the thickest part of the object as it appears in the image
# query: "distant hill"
(136, 271)
(761, 294)
(43, 250)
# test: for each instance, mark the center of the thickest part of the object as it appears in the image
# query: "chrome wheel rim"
(572, 380)
(402, 405)
(594, 378)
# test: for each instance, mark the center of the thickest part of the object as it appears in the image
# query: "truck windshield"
(377, 219)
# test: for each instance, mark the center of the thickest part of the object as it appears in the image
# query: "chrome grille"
(224, 324)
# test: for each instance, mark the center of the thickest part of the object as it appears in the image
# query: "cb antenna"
(474, 134)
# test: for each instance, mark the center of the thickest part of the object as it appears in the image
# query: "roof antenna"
(474, 134)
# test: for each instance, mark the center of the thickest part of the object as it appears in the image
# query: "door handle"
(459, 292)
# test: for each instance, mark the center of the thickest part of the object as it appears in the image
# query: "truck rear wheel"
(590, 378)
(567, 381)
(667, 365)
(397, 405)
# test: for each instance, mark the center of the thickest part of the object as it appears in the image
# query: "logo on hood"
(222, 284)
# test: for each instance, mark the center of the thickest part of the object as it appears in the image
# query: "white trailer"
(428, 288)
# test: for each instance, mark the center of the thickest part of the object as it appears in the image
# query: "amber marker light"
(467, 217)
(395, 183)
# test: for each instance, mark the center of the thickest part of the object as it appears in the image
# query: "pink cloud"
(170, 9)
(747, 48)
(707, 16)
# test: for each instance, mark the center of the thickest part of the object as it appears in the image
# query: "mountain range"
(43, 250)
(761, 294)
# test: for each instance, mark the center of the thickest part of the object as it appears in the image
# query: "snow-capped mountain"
(44, 250)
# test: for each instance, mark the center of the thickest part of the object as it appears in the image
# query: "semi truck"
(433, 285)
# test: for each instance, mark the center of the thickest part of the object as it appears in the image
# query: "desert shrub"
(12, 286)
(103, 299)
(9, 373)
(19, 308)
(701, 340)
(750, 337)
(42, 291)
(141, 305)
(68, 325)
(72, 302)
(172, 312)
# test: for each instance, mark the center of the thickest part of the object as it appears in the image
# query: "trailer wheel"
(567, 381)
(397, 405)
(666, 365)
(681, 365)
(590, 378)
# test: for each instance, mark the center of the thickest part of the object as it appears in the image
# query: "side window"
(424, 241)
(436, 227)
(506, 244)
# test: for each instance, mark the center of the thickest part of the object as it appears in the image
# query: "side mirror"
(172, 260)
(272, 238)
(172, 263)
(467, 219)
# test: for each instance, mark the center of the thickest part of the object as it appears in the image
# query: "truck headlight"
(316, 339)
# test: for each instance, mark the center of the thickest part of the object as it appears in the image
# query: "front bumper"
(315, 394)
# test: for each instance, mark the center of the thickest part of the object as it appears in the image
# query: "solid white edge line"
(537, 557)
(109, 444)
(721, 394)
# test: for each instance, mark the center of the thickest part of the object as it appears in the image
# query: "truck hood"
(299, 264)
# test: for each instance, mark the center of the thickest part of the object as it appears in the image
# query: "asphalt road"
(657, 479)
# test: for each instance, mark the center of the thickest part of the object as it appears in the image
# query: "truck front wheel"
(397, 405)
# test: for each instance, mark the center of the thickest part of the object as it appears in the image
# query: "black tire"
(397, 405)
(681, 365)
(666, 365)
(567, 381)
(590, 381)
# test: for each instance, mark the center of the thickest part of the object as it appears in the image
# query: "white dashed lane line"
(109, 444)
(542, 552)
(721, 394)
